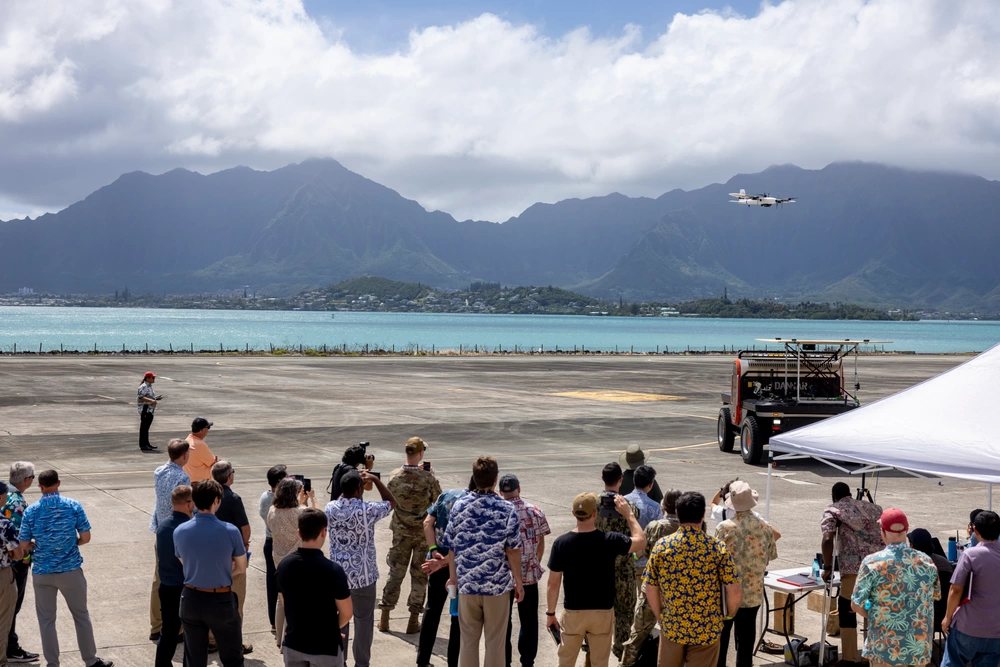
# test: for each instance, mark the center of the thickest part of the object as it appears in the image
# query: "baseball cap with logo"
(585, 506)
(894, 521)
(415, 445)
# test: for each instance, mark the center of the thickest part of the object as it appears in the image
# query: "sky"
(481, 108)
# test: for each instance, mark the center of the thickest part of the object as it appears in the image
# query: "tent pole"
(767, 494)
(989, 497)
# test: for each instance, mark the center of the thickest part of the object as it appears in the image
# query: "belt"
(224, 589)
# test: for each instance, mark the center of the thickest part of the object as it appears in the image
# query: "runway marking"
(112, 398)
(786, 477)
(619, 396)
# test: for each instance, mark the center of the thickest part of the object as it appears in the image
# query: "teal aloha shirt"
(902, 584)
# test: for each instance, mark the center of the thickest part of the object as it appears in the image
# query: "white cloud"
(484, 117)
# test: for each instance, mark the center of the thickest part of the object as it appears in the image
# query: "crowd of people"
(638, 558)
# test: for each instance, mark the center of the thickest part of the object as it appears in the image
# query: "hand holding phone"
(427, 466)
(556, 633)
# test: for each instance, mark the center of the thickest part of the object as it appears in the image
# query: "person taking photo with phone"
(415, 489)
(585, 562)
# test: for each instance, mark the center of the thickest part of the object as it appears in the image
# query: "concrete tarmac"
(554, 421)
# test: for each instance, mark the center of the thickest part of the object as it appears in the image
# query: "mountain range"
(859, 232)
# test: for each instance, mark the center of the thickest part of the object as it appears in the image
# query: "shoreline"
(340, 354)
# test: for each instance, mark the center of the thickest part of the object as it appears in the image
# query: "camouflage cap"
(585, 506)
(415, 445)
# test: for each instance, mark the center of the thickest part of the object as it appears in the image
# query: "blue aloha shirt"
(649, 511)
(902, 584)
(166, 478)
(8, 542)
(441, 510)
(481, 528)
(54, 523)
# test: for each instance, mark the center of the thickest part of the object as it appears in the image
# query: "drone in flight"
(758, 200)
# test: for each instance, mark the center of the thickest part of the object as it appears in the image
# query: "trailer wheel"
(751, 441)
(727, 438)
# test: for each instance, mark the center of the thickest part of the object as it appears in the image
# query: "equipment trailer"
(775, 392)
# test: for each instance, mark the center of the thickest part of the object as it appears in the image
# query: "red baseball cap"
(149, 374)
(894, 521)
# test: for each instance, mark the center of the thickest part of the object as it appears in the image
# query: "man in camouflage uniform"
(645, 619)
(625, 578)
(415, 490)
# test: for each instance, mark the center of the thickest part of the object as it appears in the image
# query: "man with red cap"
(146, 404)
(895, 591)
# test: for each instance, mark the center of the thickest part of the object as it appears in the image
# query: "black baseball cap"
(509, 483)
(200, 423)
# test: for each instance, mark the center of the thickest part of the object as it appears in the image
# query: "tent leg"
(989, 497)
(767, 496)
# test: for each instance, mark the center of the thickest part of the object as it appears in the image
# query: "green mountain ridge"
(858, 232)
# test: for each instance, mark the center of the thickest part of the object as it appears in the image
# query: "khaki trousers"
(480, 615)
(240, 588)
(677, 655)
(8, 602)
(597, 626)
(155, 620)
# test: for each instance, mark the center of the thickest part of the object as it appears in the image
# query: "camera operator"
(355, 457)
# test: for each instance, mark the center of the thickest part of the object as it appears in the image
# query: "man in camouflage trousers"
(645, 619)
(625, 578)
(415, 489)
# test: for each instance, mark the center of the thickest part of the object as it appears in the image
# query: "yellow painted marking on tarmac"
(619, 396)
(595, 452)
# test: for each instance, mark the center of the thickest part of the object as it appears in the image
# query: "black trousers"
(145, 421)
(170, 611)
(527, 614)
(270, 579)
(21, 570)
(437, 598)
(201, 612)
(745, 624)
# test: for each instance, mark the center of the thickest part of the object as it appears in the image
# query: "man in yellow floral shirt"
(750, 542)
(687, 576)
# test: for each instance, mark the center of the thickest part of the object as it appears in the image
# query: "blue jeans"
(962, 649)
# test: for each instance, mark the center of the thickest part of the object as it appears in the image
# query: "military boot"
(413, 627)
(383, 623)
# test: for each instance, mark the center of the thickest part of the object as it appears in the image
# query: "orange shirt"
(199, 465)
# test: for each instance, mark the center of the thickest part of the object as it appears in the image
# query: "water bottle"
(952, 549)
(453, 596)
(817, 573)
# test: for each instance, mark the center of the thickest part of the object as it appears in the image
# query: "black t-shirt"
(231, 509)
(310, 585)
(587, 563)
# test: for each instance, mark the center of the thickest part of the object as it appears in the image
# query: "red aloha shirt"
(534, 527)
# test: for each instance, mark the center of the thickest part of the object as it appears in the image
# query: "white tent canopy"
(943, 426)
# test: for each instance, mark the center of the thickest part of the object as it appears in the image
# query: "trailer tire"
(727, 437)
(751, 441)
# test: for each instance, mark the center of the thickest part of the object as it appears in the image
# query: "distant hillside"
(858, 232)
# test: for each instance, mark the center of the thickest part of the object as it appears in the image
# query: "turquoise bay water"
(110, 328)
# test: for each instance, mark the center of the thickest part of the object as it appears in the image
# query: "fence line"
(411, 349)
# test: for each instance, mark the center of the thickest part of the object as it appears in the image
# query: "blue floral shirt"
(166, 478)
(54, 523)
(481, 528)
(8, 542)
(902, 584)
